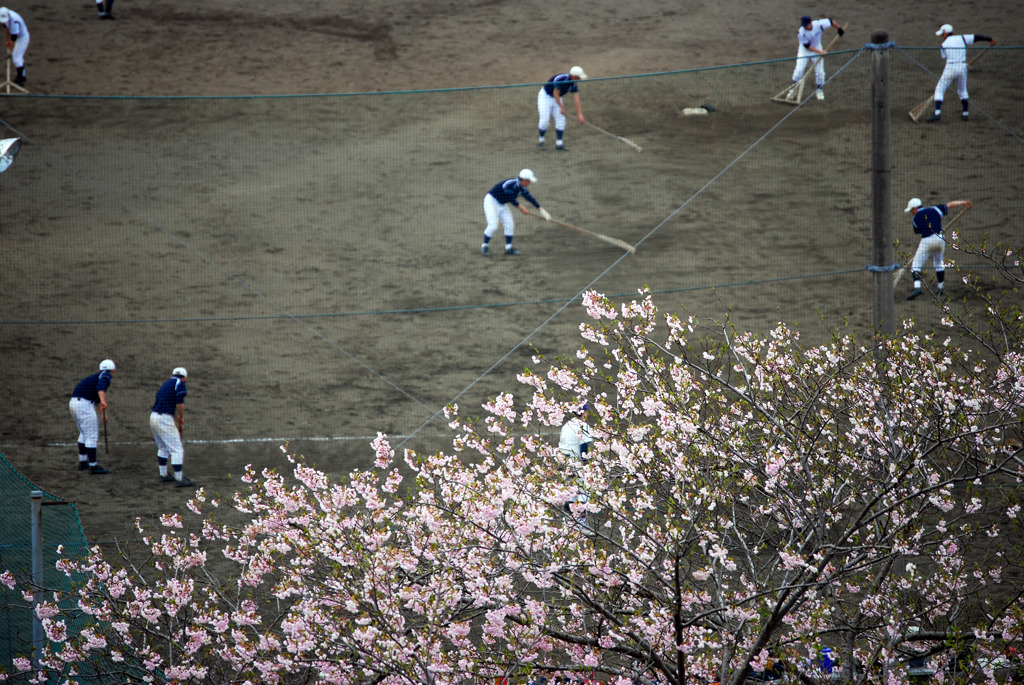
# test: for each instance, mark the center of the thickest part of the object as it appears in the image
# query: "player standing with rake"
(550, 104)
(497, 212)
(809, 37)
(928, 224)
(88, 406)
(17, 39)
(954, 50)
(168, 423)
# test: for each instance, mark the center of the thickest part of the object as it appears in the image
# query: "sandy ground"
(315, 262)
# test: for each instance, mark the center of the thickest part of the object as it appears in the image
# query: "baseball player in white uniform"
(927, 223)
(16, 37)
(167, 421)
(574, 443)
(88, 406)
(809, 38)
(550, 104)
(954, 51)
(496, 209)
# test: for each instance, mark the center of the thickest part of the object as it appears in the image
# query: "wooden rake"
(627, 141)
(600, 236)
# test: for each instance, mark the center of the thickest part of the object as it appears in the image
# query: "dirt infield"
(314, 262)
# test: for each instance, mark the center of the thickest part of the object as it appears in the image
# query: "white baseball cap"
(180, 371)
(913, 204)
(945, 28)
(527, 175)
(107, 365)
(4, 15)
(578, 73)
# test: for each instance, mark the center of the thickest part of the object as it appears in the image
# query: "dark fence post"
(881, 189)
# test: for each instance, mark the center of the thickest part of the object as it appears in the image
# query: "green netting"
(324, 250)
(320, 254)
(61, 528)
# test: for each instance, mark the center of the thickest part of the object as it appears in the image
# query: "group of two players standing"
(88, 407)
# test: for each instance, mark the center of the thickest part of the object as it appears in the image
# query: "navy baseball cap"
(805, 20)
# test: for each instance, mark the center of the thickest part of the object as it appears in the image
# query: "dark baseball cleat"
(540, 145)
(512, 253)
(19, 80)
(167, 479)
(934, 117)
(916, 292)
(97, 470)
(186, 483)
(83, 465)
(561, 148)
(965, 117)
(485, 251)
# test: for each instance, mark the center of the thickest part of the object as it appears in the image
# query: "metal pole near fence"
(38, 637)
(881, 188)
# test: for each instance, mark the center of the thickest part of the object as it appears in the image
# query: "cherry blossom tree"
(748, 501)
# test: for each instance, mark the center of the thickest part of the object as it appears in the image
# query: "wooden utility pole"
(881, 189)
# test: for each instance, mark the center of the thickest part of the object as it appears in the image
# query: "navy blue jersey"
(170, 395)
(508, 191)
(90, 387)
(928, 220)
(563, 82)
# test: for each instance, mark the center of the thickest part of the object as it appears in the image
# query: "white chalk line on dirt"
(234, 441)
(241, 441)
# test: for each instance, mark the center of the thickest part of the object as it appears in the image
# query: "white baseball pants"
(956, 71)
(933, 246)
(168, 439)
(20, 46)
(87, 418)
(803, 56)
(547, 107)
(497, 214)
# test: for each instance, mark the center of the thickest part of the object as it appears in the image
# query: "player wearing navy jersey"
(927, 223)
(496, 208)
(954, 51)
(550, 104)
(17, 39)
(168, 423)
(88, 405)
(809, 38)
